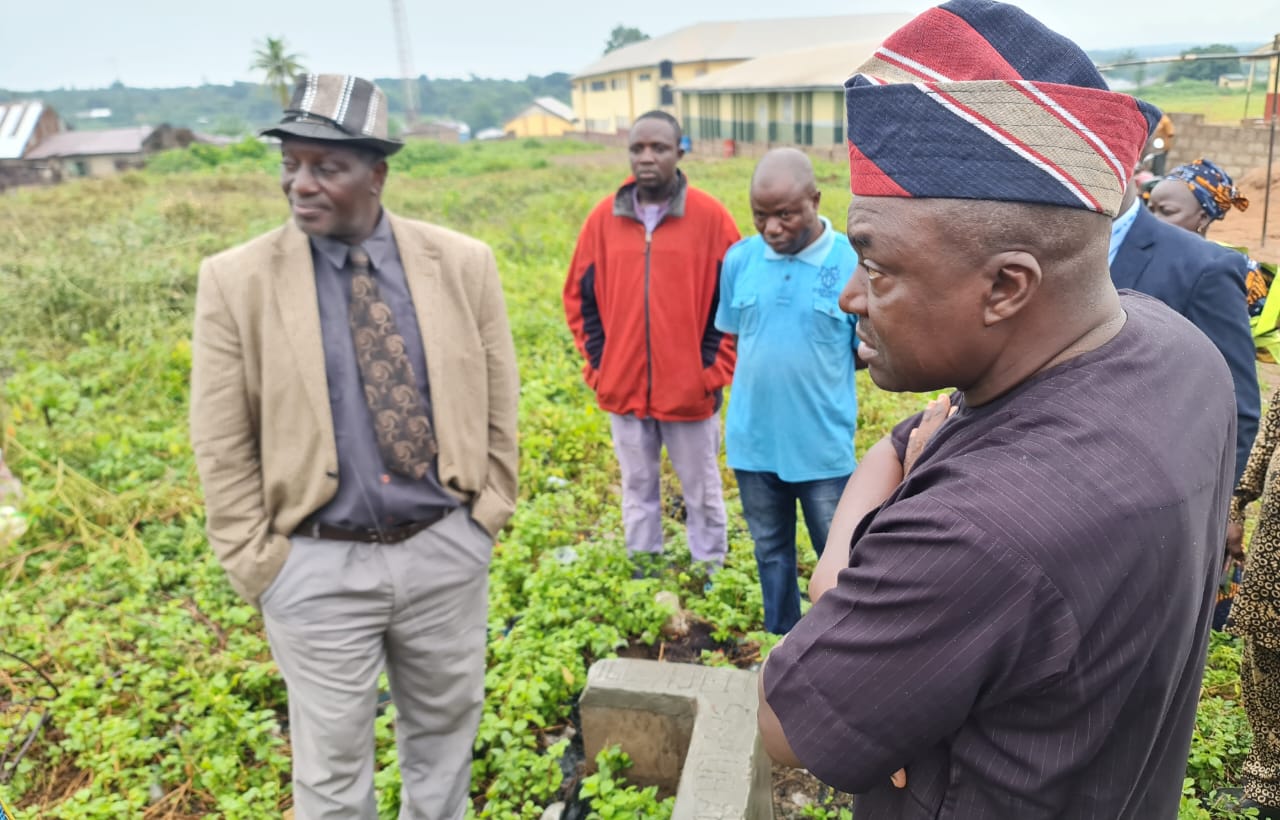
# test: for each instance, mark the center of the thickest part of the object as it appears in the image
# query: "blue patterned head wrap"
(1212, 187)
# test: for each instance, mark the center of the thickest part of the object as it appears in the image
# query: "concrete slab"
(690, 730)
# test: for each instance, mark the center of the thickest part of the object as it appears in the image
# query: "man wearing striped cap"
(1018, 625)
(353, 417)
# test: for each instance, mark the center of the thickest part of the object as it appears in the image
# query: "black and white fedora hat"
(337, 108)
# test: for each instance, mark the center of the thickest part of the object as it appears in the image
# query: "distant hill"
(1102, 55)
(241, 107)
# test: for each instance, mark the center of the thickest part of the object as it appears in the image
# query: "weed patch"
(167, 702)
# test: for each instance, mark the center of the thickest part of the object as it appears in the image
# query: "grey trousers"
(339, 613)
(694, 449)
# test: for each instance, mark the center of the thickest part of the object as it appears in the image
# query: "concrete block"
(690, 730)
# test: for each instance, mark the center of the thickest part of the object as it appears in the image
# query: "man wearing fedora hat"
(353, 416)
(1012, 622)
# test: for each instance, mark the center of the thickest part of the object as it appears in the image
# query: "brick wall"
(1237, 148)
(21, 172)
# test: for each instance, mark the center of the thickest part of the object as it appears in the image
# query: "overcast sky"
(47, 44)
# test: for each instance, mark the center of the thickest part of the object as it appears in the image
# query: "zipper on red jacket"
(648, 338)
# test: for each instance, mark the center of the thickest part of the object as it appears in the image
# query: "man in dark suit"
(1205, 283)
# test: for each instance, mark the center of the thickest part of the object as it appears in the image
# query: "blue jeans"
(769, 505)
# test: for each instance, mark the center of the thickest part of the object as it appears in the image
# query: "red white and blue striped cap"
(976, 99)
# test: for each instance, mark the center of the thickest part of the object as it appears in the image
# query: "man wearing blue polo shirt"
(793, 409)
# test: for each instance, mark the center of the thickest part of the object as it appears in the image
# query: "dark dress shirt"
(1023, 622)
(369, 495)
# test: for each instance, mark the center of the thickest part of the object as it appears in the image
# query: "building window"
(597, 85)
(804, 119)
(643, 78)
(613, 84)
(665, 70)
(667, 96)
(840, 109)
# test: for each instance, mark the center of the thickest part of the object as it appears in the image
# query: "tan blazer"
(261, 425)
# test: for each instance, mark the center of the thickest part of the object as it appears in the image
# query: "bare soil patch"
(1244, 228)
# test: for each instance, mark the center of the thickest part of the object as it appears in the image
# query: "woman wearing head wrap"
(1196, 195)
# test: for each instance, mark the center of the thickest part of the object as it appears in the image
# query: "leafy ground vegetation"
(144, 686)
(1222, 105)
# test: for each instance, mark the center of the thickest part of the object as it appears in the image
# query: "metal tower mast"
(406, 61)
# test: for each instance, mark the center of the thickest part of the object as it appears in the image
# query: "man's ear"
(1014, 278)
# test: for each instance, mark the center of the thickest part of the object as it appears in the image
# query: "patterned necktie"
(405, 438)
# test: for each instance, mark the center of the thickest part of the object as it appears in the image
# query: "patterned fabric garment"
(1255, 614)
(1256, 610)
(405, 438)
(1256, 288)
(1260, 683)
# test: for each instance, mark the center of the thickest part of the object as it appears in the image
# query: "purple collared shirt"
(650, 215)
(369, 495)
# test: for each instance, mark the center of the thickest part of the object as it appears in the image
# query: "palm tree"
(278, 67)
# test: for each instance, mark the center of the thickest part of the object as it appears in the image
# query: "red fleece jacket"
(642, 308)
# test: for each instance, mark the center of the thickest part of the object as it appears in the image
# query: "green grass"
(1202, 97)
(168, 701)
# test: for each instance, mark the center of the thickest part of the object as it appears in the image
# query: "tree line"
(240, 108)
(1212, 61)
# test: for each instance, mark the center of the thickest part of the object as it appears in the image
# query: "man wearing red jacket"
(641, 301)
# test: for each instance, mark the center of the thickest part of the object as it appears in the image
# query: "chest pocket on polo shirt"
(830, 323)
(748, 309)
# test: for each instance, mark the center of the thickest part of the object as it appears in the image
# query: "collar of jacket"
(624, 203)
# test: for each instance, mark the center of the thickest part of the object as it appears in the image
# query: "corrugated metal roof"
(92, 143)
(17, 122)
(826, 66)
(554, 106)
(746, 39)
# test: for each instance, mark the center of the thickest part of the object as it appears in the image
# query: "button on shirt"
(793, 409)
(369, 495)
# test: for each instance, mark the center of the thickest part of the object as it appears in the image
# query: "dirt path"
(1246, 228)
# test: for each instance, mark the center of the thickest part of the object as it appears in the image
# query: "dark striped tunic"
(1023, 623)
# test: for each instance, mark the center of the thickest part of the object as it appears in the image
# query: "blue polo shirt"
(793, 408)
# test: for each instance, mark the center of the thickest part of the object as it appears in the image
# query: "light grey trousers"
(339, 613)
(694, 449)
